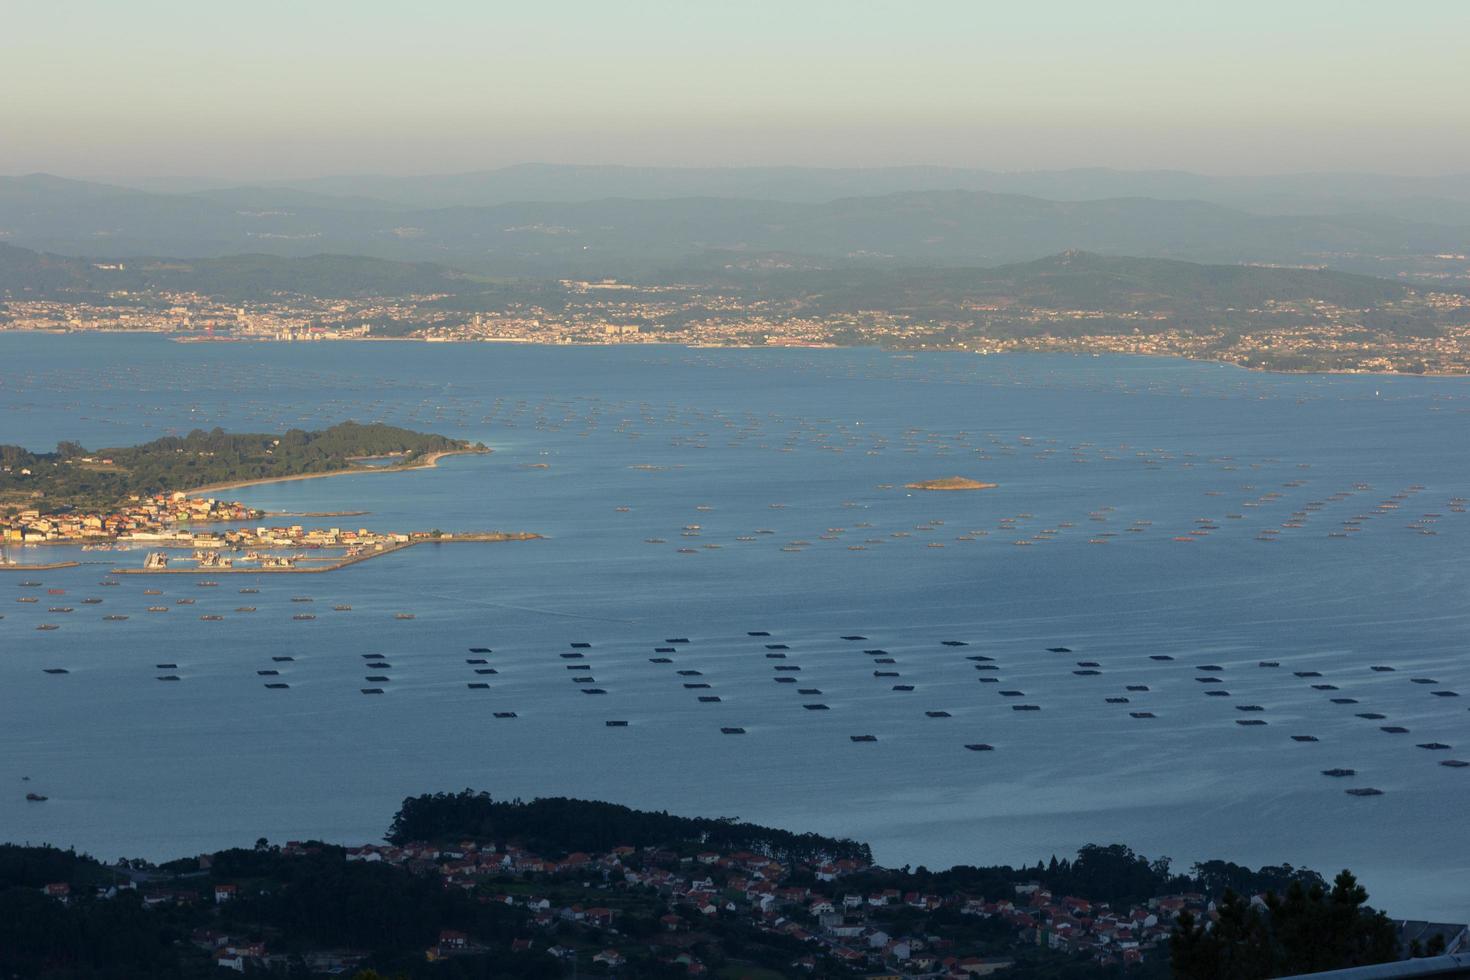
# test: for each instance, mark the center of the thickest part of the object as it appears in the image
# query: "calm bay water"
(1087, 447)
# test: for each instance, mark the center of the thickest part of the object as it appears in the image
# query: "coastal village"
(834, 925)
(623, 910)
(165, 522)
(160, 518)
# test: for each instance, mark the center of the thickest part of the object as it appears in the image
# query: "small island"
(951, 483)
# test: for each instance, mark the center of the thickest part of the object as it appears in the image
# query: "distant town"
(1295, 335)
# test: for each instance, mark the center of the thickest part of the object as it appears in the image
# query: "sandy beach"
(428, 462)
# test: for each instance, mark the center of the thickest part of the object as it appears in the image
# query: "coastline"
(1285, 372)
(427, 462)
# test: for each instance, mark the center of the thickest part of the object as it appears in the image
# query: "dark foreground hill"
(503, 889)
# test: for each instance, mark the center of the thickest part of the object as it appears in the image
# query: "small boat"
(372, 690)
(481, 650)
(816, 707)
(1250, 721)
(1084, 673)
(48, 626)
(1394, 729)
(1137, 687)
(1304, 738)
(1454, 763)
(249, 591)
(1116, 700)
(278, 686)
(403, 615)
(283, 660)
(56, 670)
(1269, 663)
(1160, 656)
(863, 738)
(60, 609)
(1433, 746)
(1364, 791)
(36, 798)
(342, 608)
(302, 598)
(980, 747)
(183, 602)
(598, 690)
(92, 601)
(937, 714)
(1372, 715)
(1141, 714)
(114, 618)
(168, 677)
(732, 731)
(506, 714)
(616, 724)
(27, 598)
(211, 618)
(709, 699)
(758, 633)
(157, 609)
(1025, 707)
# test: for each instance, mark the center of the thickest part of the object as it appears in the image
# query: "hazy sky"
(266, 88)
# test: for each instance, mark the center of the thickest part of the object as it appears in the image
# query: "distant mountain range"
(1419, 198)
(630, 235)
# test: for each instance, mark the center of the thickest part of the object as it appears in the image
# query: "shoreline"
(1081, 352)
(40, 567)
(427, 462)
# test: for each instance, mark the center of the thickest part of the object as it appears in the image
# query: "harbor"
(158, 563)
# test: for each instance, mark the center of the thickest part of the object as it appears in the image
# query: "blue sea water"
(603, 449)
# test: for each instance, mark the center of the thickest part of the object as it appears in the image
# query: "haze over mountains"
(1282, 194)
(546, 221)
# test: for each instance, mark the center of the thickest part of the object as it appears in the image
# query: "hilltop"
(473, 887)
